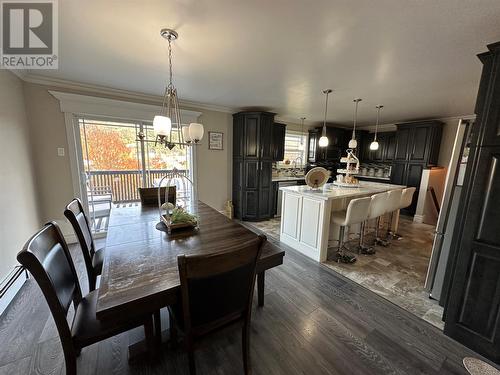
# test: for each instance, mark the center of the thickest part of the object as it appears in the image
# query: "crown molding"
(20, 73)
(97, 106)
(392, 127)
(108, 91)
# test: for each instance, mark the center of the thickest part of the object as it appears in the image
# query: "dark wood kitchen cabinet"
(386, 147)
(416, 148)
(253, 154)
(337, 144)
(279, 132)
(472, 279)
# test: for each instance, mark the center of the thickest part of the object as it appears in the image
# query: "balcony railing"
(124, 184)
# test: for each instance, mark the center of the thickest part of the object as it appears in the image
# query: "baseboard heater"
(10, 285)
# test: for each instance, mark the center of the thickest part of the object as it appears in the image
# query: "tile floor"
(396, 272)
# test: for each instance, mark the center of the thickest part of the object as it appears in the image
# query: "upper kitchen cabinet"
(386, 147)
(486, 128)
(418, 142)
(337, 143)
(279, 131)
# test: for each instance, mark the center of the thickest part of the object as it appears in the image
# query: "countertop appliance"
(449, 206)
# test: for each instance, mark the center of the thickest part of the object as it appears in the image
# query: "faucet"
(295, 163)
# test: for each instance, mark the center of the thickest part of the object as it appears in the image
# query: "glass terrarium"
(182, 214)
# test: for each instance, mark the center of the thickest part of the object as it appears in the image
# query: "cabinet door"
(390, 147)
(252, 146)
(419, 144)
(237, 187)
(265, 190)
(398, 173)
(312, 144)
(378, 155)
(413, 177)
(279, 132)
(238, 136)
(473, 309)
(266, 137)
(402, 140)
(488, 105)
(250, 194)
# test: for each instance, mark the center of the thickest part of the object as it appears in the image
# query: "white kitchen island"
(305, 217)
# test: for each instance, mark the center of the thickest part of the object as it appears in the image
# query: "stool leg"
(364, 249)
(378, 240)
(341, 239)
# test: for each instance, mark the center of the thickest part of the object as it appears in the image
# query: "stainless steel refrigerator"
(448, 212)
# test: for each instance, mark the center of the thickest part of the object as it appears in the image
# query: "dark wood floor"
(314, 322)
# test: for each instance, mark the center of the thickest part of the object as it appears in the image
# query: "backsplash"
(280, 170)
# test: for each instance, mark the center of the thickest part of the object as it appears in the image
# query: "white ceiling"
(417, 57)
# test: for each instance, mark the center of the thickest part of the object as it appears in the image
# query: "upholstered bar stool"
(376, 211)
(406, 200)
(392, 204)
(356, 213)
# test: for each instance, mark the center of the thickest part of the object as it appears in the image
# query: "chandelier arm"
(179, 124)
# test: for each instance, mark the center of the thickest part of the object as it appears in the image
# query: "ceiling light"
(374, 144)
(323, 141)
(167, 125)
(353, 143)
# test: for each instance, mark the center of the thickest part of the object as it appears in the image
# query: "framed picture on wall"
(215, 141)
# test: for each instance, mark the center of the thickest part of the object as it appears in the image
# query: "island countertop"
(332, 192)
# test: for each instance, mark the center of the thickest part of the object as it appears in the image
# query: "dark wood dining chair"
(46, 256)
(216, 290)
(93, 258)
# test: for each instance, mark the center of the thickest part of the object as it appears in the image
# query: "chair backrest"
(377, 205)
(393, 200)
(46, 256)
(76, 215)
(407, 197)
(218, 288)
(357, 210)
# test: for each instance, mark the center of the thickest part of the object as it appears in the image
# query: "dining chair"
(93, 258)
(216, 289)
(46, 256)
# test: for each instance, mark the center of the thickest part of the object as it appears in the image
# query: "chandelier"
(167, 125)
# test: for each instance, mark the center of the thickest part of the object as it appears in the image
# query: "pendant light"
(374, 144)
(323, 141)
(301, 145)
(353, 143)
(167, 125)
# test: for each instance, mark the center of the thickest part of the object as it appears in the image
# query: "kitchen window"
(295, 148)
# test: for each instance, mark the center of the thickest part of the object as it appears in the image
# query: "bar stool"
(377, 209)
(356, 213)
(392, 204)
(406, 200)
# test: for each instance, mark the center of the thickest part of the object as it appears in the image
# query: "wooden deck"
(314, 322)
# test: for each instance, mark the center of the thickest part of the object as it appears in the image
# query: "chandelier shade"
(196, 132)
(162, 125)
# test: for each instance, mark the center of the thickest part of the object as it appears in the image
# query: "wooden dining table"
(140, 274)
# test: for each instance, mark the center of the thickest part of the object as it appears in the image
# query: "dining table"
(140, 273)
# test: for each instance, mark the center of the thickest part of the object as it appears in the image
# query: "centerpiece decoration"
(346, 178)
(182, 213)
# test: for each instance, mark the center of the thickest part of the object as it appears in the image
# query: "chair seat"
(87, 329)
(97, 261)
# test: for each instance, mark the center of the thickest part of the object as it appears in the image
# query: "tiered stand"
(351, 169)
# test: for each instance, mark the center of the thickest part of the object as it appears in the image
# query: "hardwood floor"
(314, 322)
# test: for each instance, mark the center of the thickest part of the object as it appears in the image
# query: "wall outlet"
(60, 151)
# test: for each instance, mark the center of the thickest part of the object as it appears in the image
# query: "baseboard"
(418, 218)
(11, 293)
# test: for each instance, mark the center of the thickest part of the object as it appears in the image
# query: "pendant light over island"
(323, 141)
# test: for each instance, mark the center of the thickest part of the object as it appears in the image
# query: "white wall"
(19, 214)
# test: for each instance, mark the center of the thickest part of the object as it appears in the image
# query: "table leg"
(157, 318)
(260, 288)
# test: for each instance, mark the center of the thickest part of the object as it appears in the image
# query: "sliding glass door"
(115, 164)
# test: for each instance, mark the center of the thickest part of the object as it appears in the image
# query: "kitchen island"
(305, 217)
